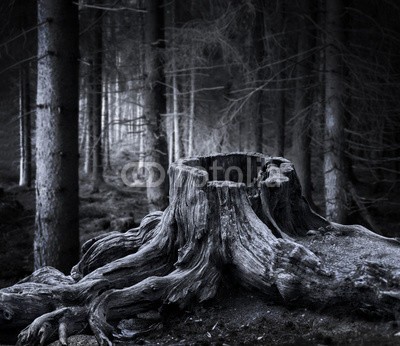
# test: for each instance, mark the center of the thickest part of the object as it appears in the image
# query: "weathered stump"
(235, 216)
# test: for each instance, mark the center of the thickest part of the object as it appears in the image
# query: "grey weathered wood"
(262, 234)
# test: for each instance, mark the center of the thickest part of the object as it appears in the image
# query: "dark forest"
(200, 172)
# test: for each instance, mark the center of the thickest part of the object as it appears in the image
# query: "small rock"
(311, 232)
(397, 334)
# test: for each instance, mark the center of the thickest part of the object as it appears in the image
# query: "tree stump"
(237, 216)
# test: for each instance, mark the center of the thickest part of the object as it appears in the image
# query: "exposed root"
(105, 249)
(262, 235)
(62, 322)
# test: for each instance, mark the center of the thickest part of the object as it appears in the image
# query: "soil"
(233, 317)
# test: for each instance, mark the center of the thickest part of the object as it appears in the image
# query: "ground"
(233, 317)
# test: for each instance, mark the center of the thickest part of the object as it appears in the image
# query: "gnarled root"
(62, 322)
(262, 235)
(104, 249)
(180, 287)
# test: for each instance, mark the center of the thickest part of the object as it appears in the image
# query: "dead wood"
(249, 224)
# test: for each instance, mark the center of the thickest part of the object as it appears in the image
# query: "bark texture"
(303, 100)
(334, 167)
(57, 231)
(155, 106)
(25, 128)
(238, 217)
(97, 174)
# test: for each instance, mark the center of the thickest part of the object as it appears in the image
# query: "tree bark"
(277, 51)
(303, 101)
(192, 106)
(334, 175)
(97, 172)
(88, 167)
(259, 51)
(25, 177)
(237, 217)
(57, 158)
(155, 105)
(107, 125)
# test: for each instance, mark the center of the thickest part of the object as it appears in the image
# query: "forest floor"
(233, 317)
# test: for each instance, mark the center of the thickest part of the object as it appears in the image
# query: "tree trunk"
(25, 177)
(192, 107)
(118, 103)
(259, 51)
(303, 101)
(107, 126)
(178, 84)
(155, 106)
(280, 119)
(334, 175)
(112, 110)
(169, 14)
(277, 28)
(57, 159)
(97, 173)
(175, 94)
(237, 218)
(88, 168)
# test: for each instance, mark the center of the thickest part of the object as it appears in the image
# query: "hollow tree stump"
(240, 216)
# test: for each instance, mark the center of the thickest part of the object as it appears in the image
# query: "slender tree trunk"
(170, 130)
(89, 115)
(169, 14)
(155, 106)
(118, 105)
(334, 174)
(192, 107)
(258, 41)
(303, 102)
(112, 109)
(177, 100)
(142, 138)
(175, 111)
(83, 125)
(57, 158)
(280, 121)
(25, 178)
(141, 97)
(106, 129)
(97, 174)
(281, 85)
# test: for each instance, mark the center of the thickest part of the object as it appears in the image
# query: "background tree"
(97, 100)
(334, 166)
(25, 177)
(57, 223)
(155, 106)
(303, 98)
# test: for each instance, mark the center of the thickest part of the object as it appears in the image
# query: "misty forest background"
(314, 81)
